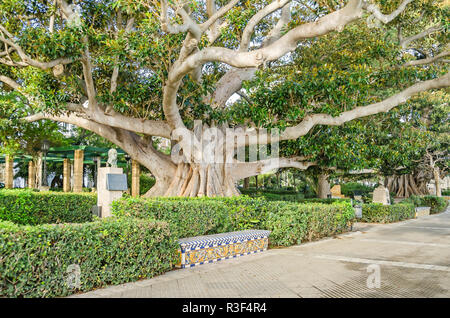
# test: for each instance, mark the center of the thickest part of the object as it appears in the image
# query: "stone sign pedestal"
(381, 195)
(104, 196)
(336, 192)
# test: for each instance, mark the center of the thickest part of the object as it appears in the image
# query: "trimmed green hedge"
(350, 188)
(290, 223)
(378, 213)
(436, 204)
(293, 223)
(287, 195)
(30, 207)
(34, 260)
(325, 201)
(274, 194)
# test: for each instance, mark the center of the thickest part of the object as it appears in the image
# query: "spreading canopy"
(128, 70)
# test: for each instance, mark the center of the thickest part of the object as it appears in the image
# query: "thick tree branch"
(243, 170)
(404, 42)
(427, 60)
(10, 82)
(159, 165)
(385, 18)
(287, 43)
(217, 15)
(253, 22)
(275, 33)
(26, 60)
(142, 126)
(362, 111)
(294, 132)
(228, 84)
(188, 23)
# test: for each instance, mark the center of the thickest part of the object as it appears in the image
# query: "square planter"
(422, 211)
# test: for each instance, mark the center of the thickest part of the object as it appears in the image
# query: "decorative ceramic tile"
(211, 248)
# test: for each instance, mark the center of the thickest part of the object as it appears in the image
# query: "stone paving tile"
(413, 255)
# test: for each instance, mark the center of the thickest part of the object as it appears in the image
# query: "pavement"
(405, 259)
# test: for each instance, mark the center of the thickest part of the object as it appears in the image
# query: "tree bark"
(437, 183)
(323, 188)
(406, 185)
(246, 183)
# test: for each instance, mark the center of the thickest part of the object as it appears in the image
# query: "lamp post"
(45, 146)
(128, 159)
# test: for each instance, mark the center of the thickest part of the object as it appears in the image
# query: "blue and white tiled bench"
(211, 248)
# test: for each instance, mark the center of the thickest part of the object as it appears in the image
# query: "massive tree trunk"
(408, 184)
(197, 180)
(323, 187)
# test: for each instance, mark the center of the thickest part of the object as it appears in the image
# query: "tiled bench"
(211, 248)
(422, 211)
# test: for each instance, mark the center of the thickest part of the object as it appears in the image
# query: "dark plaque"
(116, 182)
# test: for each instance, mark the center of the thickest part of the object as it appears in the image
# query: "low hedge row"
(30, 207)
(274, 194)
(378, 213)
(35, 261)
(290, 223)
(436, 204)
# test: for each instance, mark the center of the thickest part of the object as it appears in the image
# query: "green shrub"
(274, 194)
(378, 213)
(30, 207)
(446, 192)
(290, 223)
(35, 259)
(354, 188)
(145, 182)
(325, 201)
(436, 204)
(193, 216)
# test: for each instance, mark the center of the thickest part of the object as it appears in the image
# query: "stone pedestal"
(78, 171)
(31, 175)
(135, 174)
(104, 196)
(66, 175)
(336, 190)
(9, 172)
(381, 195)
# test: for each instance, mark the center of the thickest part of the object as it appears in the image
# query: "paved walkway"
(413, 258)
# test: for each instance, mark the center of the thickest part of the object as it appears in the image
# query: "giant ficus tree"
(427, 117)
(129, 70)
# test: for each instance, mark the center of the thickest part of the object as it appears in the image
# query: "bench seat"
(211, 248)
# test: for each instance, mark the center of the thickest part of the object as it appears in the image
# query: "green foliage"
(378, 213)
(436, 204)
(324, 201)
(274, 194)
(287, 195)
(291, 223)
(446, 192)
(351, 188)
(30, 207)
(35, 259)
(145, 182)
